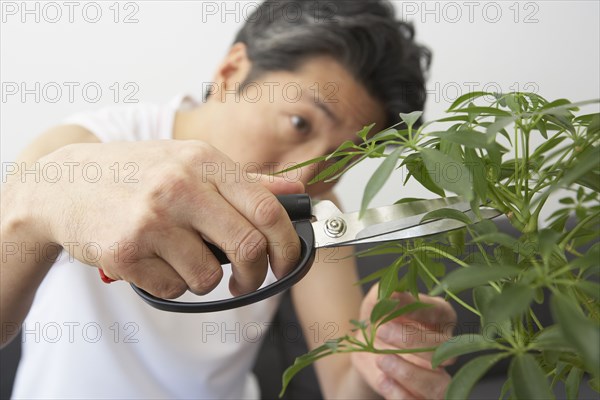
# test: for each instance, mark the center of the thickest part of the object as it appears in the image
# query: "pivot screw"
(335, 227)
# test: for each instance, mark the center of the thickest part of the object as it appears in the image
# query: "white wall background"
(169, 47)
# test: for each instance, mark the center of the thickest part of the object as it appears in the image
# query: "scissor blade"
(375, 221)
(404, 223)
(428, 228)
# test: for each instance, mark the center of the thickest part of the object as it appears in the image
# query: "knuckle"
(268, 211)
(165, 289)
(172, 290)
(251, 246)
(197, 152)
(171, 185)
(123, 268)
(205, 280)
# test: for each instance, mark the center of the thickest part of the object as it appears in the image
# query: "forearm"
(26, 257)
(351, 385)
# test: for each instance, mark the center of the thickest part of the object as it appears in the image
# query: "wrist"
(22, 219)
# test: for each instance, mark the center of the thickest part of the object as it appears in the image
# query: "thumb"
(279, 185)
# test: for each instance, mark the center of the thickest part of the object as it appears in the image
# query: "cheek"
(250, 138)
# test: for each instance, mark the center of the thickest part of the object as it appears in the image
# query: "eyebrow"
(327, 110)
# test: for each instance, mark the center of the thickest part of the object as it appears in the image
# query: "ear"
(232, 71)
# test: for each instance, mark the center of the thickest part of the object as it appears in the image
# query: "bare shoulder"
(55, 138)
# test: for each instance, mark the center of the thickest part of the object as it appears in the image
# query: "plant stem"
(516, 141)
(437, 282)
(447, 255)
(535, 319)
(573, 231)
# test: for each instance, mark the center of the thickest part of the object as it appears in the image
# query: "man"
(173, 177)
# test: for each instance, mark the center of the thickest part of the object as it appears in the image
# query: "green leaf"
(512, 103)
(591, 181)
(382, 308)
(484, 227)
(466, 98)
(590, 288)
(548, 145)
(579, 331)
(332, 169)
(378, 179)
(387, 134)
(588, 160)
(359, 324)
(548, 240)
(365, 131)
(389, 281)
(482, 295)
(463, 381)
(411, 277)
(332, 344)
(448, 173)
(551, 338)
(371, 277)
(476, 275)
(459, 345)
(513, 301)
(478, 171)
(507, 241)
(447, 213)
(383, 248)
(408, 200)
(456, 238)
(302, 362)
(404, 310)
(589, 261)
(465, 137)
(416, 168)
(302, 164)
(573, 382)
(411, 118)
(484, 111)
(528, 379)
(495, 127)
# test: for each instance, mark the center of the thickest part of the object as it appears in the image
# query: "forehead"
(333, 89)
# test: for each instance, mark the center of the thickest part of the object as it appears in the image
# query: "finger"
(366, 363)
(261, 208)
(156, 277)
(186, 252)
(391, 390)
(421, 382)
(409, 335)
(277, 185)
(243, 243)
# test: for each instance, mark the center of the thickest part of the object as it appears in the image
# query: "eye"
(300, 124)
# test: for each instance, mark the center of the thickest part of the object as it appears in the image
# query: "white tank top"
(85, 339)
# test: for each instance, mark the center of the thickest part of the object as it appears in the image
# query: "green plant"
(548, 261)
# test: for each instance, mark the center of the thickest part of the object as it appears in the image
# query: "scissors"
(324, 225)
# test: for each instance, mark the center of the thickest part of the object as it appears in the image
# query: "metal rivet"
(335, 227)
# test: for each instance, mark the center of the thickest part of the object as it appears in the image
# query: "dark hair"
(363, 35)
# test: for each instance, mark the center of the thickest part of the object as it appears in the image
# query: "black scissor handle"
(299, 210)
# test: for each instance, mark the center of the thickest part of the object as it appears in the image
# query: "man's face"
(284, 118)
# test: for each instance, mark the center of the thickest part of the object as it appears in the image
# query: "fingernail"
(386, 363)
(384, 332)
